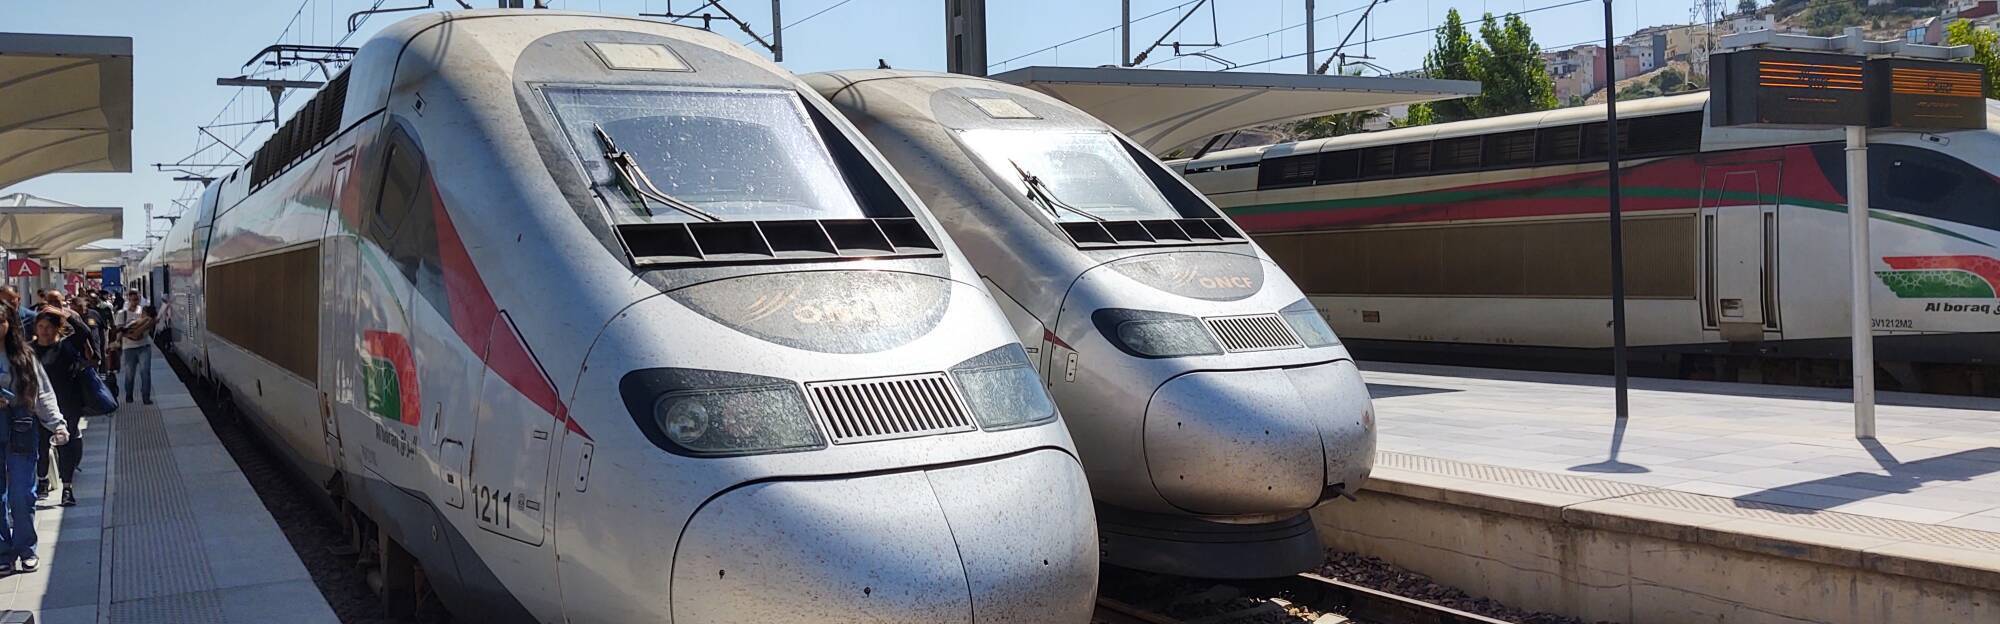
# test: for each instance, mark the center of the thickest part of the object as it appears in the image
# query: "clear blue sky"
(180, 48)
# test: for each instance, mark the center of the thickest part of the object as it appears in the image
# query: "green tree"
(1985, 50)
(1511, 74)
(1331, 125)
(1825, 18)
(1420, 114)
(1505, 60)
(1453, 57)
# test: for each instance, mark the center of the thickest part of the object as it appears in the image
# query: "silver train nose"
(1255, 442)
(1012, 540)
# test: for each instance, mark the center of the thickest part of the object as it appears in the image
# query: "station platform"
(166, 529)
(1712, 502)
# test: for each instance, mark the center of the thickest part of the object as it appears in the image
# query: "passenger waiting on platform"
(30, 406)
(66, 371)
(11, 297)
(135, 348)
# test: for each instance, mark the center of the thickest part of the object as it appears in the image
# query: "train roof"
(1491, 125)
(1162, 109)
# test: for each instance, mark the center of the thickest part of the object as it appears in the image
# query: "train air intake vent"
(1257, 332)
(886, 409)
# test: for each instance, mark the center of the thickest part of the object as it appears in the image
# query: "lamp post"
(1617, 219)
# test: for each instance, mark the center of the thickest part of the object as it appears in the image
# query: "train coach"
(1484, 242)
(596, 319)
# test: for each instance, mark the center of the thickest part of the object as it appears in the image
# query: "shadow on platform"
(1903, 478)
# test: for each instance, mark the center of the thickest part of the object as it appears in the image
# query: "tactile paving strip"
(158, 570)
(1537, 479)
(1688, 501)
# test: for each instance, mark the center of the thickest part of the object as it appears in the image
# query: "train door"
(508, 478)
(1739, 215)
(339, 366)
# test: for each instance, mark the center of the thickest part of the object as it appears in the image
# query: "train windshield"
(703, 155)
(1077, 176)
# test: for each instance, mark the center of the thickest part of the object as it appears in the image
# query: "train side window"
(1457, 154)
(1931, 184)
(1341, 166)
(1413, 158)
(1378, 162)
(1593, 140)
(1287, 171)
(400, 179)
(1660, 135)
(1510, 149)
(1559, 144)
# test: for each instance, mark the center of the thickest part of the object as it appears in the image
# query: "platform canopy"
(44, 228)
(65, 105)
(88, 257)
(1163, 109)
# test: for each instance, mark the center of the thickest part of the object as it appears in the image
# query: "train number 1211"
(493, 507)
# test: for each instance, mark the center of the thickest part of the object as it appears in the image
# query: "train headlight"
(1002, 389)
(1148, 334)
(1309, 325)
(712, 413)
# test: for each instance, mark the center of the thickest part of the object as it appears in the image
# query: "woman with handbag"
(29, 405)
(69, 377)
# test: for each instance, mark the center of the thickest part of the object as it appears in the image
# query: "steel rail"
(1360, 604)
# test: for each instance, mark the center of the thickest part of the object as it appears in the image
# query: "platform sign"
(1916, 94)
(23, 267)
(1778, 87)
(112, 279)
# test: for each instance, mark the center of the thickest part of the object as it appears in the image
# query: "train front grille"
(889, 408)
(1256, 332)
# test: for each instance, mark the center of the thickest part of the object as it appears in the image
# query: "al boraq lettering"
(23, 267)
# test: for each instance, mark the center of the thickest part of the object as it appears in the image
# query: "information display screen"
(1788, 88)
(1926, 95)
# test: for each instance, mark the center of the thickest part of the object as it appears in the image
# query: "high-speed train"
(1485, 242)
(597, 319)
(1212, 405)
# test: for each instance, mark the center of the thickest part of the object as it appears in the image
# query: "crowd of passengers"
(62, 356)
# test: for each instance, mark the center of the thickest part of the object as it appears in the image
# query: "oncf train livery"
(607, 320)
(1485, 242)
(1211, 403)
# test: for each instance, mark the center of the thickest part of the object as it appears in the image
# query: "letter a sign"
(23, 267)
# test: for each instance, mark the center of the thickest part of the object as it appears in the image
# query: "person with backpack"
(68, 377)
(29, 405)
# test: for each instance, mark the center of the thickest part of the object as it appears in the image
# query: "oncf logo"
(1225, 282)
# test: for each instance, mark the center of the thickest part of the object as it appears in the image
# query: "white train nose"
(1259, 441)
(1011, 540)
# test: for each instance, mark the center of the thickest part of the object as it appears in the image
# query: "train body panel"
(439, 300)
(1487, 234)
(1235, 413)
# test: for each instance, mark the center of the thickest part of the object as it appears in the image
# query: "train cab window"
(709, 154)
(1926, 183)
(1079, 176)
(399, 187)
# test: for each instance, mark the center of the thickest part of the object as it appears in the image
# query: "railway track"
(1305, 598)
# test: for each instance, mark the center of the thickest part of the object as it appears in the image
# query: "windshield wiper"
(1039, 191)
(634, 179)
